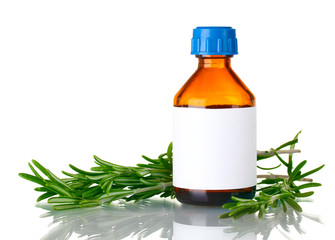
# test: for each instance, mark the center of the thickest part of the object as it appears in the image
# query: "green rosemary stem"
(139, 191)
(161, 186)
(272, 176)
(271, 153)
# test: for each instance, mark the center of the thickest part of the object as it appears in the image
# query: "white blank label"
(214, 149)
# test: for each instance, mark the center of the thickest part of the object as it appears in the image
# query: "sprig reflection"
(276, 219)
(117, 221)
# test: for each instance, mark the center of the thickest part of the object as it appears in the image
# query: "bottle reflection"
(194, 222)
(166, 219)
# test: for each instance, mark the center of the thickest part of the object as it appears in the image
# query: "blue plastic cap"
(214, 41)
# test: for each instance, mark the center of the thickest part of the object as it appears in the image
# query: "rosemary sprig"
(105, 183)
(280, 190)
(108, 182)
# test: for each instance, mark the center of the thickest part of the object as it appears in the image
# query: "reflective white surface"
(167, 219)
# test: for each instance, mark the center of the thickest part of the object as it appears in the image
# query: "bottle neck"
(214, 61)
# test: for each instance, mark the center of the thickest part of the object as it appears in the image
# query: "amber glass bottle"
(214, 126)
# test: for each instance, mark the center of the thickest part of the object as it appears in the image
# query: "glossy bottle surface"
(213, 85)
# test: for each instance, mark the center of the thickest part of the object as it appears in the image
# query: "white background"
(79, 78)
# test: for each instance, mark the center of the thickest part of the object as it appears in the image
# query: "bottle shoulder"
(209, 87)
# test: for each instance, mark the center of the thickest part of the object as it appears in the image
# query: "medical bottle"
(214, 126)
